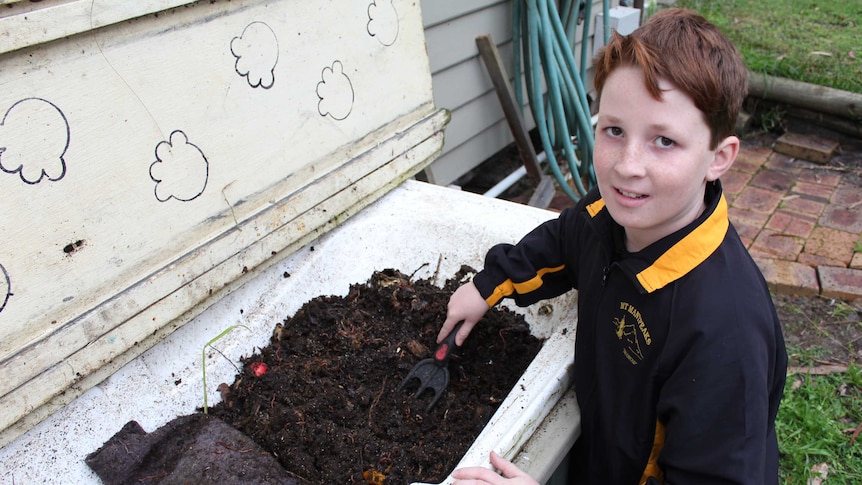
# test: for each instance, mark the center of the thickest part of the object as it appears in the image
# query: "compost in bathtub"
(322, 398)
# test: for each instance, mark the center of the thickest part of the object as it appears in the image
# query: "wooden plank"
(28, 24)
(491, 56)
(101, 134)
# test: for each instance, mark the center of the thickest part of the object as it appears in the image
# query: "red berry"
(258, 368)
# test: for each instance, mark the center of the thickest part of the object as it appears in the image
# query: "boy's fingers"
(505, 466)
(482, 475)
(467, 305)
(462, 334)
(447, 327)
(474, 474)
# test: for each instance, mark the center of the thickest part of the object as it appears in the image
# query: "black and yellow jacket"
(679, 357)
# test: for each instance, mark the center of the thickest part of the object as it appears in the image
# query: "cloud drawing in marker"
(180, 171)
(5, 288)
(383, 21)
(335, 92)
(256, 52)
(34, 136)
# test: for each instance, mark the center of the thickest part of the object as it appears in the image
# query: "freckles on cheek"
(601, 163)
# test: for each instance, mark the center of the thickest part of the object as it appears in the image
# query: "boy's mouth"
(631, 195)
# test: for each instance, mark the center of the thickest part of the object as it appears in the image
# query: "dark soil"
(820, 331)
(327, 405)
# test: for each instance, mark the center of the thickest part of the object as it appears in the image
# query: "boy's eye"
(664, 142)
(614, 131)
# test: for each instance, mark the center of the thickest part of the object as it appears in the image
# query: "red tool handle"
(441, 355)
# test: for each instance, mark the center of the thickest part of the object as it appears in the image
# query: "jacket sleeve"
(534, 269)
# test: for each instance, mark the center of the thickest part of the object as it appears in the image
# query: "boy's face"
(652, 158)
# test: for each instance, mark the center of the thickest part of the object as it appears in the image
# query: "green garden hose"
(545, 41)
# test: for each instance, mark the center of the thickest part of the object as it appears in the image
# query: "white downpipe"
(513, 177)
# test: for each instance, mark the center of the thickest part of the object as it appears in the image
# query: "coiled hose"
(545, 41)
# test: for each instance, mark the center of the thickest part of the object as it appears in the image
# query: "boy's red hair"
(686, 50)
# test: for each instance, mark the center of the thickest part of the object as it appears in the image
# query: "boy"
(679, 357)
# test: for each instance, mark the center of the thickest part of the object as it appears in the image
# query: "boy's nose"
(631, 161)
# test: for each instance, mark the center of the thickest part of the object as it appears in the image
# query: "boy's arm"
(527, 272)
(538, 267)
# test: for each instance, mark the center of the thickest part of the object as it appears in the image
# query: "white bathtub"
(415, 224)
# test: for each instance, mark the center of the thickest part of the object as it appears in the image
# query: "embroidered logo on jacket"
(631, 330)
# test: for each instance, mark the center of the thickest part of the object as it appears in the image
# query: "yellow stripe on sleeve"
(508, 287)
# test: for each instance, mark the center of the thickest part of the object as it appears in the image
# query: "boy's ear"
(725, 154)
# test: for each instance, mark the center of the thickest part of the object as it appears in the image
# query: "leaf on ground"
(855, 433)
(818, 472)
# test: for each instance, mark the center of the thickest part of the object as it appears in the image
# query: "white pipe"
(507, 182)
(513, 177)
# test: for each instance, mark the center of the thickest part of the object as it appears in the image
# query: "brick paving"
(801, 221)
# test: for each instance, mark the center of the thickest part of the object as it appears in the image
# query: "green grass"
(813, 41)
(815, 425)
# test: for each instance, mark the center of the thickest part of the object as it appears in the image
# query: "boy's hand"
(477, 475)
(465, 304)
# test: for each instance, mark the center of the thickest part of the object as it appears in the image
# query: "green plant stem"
(204, 357)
